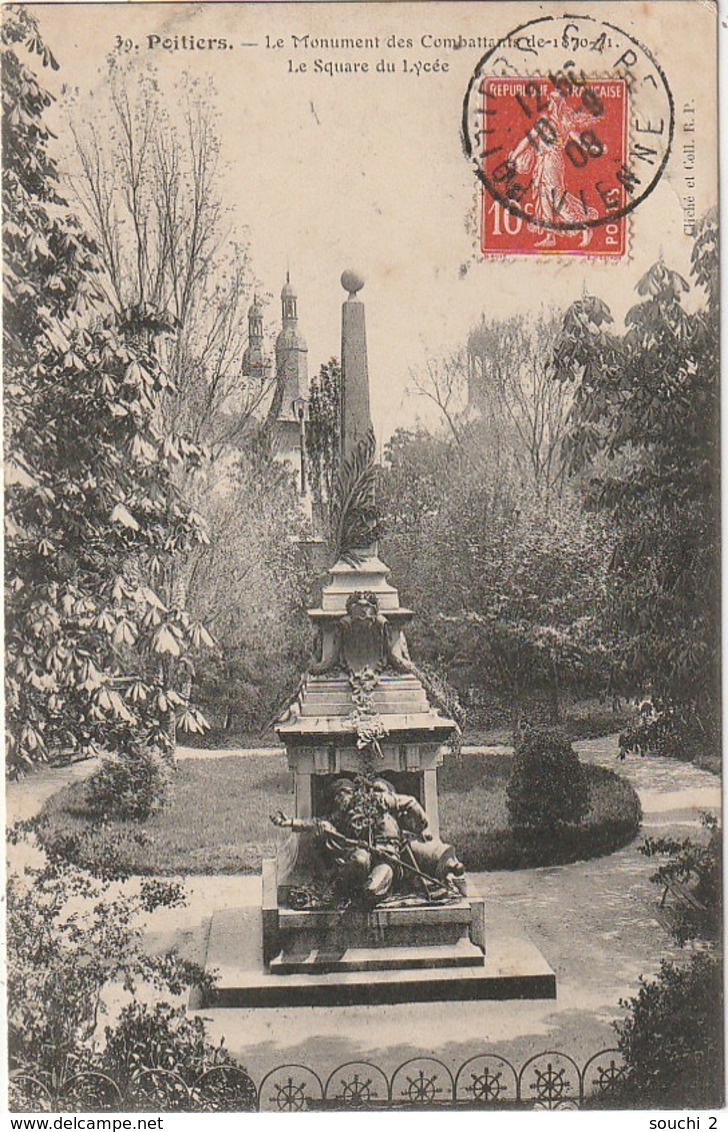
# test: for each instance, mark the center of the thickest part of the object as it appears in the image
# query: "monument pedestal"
(392, 936)
(513, 969)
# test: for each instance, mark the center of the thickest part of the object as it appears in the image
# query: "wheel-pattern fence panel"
(290, 1088)
(422, 1082)
(486, 1080)
(357, 1085)
(551, 1080)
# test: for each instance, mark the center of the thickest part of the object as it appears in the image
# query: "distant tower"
(255, 364)
(290, 405)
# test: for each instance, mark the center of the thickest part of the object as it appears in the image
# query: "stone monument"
(364, 901)
(365, 881)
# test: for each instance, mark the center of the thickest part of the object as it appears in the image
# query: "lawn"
(217, 820)
(474, 816)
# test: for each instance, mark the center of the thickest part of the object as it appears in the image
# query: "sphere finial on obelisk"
(352, 282)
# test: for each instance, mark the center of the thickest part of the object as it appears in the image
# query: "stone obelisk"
(356, 418)
(369, 573)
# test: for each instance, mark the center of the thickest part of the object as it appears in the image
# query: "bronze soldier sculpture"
(389, 847)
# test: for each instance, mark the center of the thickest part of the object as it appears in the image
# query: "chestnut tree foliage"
(645, 425)
(94, 521)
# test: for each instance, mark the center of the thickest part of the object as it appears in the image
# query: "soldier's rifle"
(341, 840)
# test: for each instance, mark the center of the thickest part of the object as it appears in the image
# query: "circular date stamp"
(569, 123)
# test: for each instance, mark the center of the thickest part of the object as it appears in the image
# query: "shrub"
(673, 730)
(69, 936)
(548, 786)
(158, 1053)
(698, 866)
(672, 1038)
(131, 786)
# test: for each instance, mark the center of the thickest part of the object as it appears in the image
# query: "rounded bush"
(548, 786)
(130, 786)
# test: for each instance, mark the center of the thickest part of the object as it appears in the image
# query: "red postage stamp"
(553, 153)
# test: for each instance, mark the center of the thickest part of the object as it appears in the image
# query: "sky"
(366, 171)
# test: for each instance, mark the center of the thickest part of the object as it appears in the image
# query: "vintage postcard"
(362, 633)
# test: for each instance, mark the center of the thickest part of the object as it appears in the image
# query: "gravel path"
(27, 797)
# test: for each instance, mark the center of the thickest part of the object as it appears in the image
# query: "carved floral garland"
(370, 729)
(365, 719)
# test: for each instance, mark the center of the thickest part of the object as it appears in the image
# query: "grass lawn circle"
(217, 820)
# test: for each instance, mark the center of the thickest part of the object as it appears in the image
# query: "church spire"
(289, 301)
(255, 363)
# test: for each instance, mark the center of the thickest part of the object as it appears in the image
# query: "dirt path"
(27, 797)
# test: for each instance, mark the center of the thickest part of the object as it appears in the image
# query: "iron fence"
(548, 1080)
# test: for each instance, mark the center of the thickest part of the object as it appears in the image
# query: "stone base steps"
(319, 960)
(513, 969)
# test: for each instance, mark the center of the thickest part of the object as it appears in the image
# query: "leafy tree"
(536, 615)
(94, 520)
(443, 382)
(485, 530)
(148, 182)
(251, 587)
(646, 402)
(523, 411)
(507, 597)
(419, 471)
(323, 434)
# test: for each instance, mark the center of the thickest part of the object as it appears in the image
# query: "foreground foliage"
(70, 936)
(75, 946)
(697, 865)
(672, 1038)
(160, 1056)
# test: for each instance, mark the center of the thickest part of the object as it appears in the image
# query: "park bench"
(683, 897)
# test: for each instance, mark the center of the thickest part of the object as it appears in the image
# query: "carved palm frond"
(356, 521)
